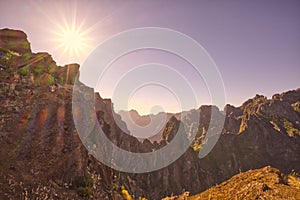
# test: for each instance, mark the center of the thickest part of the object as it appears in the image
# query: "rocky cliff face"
(14, 40)
(42, 155)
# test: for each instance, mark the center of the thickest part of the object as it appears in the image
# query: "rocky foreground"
(265, 183)
(43, 157)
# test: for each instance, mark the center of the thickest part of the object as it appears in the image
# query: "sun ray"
(70, 36)
(73, 22)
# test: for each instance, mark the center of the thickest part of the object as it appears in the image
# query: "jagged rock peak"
(208, 108)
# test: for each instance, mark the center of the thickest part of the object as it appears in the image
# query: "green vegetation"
(24, 71)
(26, 45)
(44, 79)
(85, 192)
(51, 80)
(86, 185)
(296, 106)
(26, 56)
(285, 125)
(289, 128)
(38, 69)
(7, 58)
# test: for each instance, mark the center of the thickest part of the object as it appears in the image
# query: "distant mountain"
(155, 123)
(43, 157)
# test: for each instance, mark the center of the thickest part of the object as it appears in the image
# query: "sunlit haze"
(255, 44)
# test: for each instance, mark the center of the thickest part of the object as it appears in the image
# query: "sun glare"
(72, 42)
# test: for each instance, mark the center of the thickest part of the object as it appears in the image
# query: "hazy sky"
(255, 44)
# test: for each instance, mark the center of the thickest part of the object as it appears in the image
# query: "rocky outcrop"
(264, 183)
(14, 40)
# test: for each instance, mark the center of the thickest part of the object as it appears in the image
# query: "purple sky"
(255, 44)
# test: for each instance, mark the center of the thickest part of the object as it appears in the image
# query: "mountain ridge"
(44, 156)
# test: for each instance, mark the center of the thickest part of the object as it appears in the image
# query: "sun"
(72, 41)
